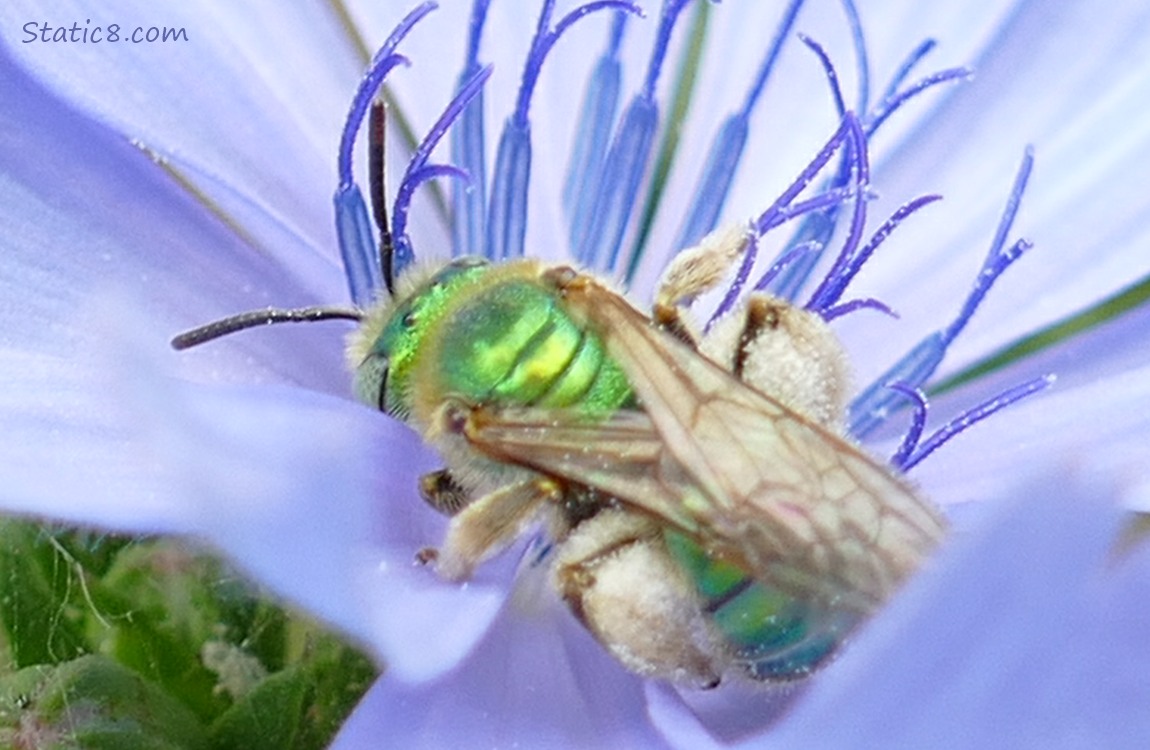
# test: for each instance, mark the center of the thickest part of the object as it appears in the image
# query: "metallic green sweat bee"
(703, 523)
(707, 514)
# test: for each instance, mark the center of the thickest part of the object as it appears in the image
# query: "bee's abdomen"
(769, 634)
(513, 343)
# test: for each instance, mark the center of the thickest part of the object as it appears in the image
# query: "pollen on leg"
(701, 268)
(615, 574)
(787, 353)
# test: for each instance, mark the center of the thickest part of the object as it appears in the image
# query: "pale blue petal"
(312, 494)
(1089, 418)
(694, 719)
(315, 497)
(679, 725)
(85, 216)
(254, 98)
(1099, 424)
(85, 213)
(536, 681)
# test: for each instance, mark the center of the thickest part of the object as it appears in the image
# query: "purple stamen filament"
(910, 453)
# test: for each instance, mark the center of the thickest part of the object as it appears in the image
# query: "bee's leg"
(491, 522)
(700, 268)
(617, 577)
(440, 490)
(694, 271)
(787, 352)
(670, 319)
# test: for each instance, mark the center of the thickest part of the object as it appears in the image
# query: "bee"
(701, 523)
(706, 518)
(706, 512)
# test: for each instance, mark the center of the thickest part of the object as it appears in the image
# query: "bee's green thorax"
(512, 342)
(494, 334)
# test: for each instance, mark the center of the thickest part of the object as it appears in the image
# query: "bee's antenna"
(254, 318)
(377, 130)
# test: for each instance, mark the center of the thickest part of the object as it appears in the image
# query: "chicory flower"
(149, 188)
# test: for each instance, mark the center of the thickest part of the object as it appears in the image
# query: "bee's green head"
(383, 351)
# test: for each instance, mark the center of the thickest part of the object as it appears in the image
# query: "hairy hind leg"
(694, 271)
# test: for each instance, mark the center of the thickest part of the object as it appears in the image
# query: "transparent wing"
(755, 482)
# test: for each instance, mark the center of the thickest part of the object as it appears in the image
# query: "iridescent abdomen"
(770, 635)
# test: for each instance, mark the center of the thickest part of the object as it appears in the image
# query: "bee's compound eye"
(381, 399)
(371, 380)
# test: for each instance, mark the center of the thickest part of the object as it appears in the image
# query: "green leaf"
(176, 625)
(95, 704)
(93, 551)
(302, 707)
(268, 717)
(42, 592)
(340, 676)
(157, 611)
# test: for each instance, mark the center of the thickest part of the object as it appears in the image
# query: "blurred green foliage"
(126, 643)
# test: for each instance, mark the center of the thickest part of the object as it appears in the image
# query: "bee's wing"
(622, 455)
(754, 481)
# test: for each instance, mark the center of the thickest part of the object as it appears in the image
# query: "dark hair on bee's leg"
(440, 490)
